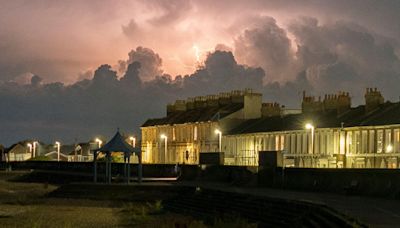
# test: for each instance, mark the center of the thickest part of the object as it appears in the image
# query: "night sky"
(74, 70)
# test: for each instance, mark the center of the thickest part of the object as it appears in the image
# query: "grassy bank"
(24, 204)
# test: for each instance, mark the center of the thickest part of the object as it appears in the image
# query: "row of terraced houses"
(325, 133)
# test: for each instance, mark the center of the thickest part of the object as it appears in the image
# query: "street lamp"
(99, 142)
(30, 148)
(311, 127)
(34, 148)
(389, 148)
(57, 143)
(219, 133)
(133, 139)
(163, 136)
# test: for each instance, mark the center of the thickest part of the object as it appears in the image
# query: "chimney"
(270, 109)
(212, 100)
(373, 98)
(224, 99)
(339, 102)
(190, 103)
(343, 102)
(170, 109)
(310, 104)
(178, 106)
(200, 102)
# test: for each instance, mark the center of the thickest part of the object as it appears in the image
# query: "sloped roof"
(195, 115)
(118, 144)
(386, 114)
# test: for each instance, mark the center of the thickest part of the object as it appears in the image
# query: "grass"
(26, 205)
(32, 205)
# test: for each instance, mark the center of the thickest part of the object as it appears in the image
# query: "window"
(286, 143)
(298, 142)
(292, 144)
(305, 143)
(173, 134)
(329, 148)
(357, 142)
(195, 133)
(379, 141)
(371, 142)
(388, 141)
(349, 142)
(364, 137)
(396, 143)
(317, 142)
(336, 142)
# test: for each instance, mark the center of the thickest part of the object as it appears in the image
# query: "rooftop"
(386, 114)
(196, 115)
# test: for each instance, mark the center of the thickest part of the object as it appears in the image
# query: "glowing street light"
(389, 148)
(57, 143)
(219, 133)
(311, 127)
(34, 148)
(99, 142)
(163, 136)
(133, 139)
(30, 148)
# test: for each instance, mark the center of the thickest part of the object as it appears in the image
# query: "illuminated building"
(190, 125)
(367, 136)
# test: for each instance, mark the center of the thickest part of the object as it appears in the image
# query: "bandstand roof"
(118, 144)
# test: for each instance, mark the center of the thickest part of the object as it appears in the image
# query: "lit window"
(379, 142)
(195, 133)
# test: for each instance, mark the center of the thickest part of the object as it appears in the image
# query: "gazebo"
(117, 144)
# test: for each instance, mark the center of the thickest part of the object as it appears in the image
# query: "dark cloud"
(54, 111)
(341, 45)
(36, 80)
(150, 63)
(329, 57)
(269, 47)
(347, 56)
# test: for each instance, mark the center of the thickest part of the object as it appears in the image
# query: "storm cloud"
(66, 72)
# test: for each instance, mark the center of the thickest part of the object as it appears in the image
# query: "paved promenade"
(374, 212)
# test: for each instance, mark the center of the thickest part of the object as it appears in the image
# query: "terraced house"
(195, 126)
(326, 133)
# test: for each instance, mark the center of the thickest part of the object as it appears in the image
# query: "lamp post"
(312, 128)
(133, 140)
(99, 142)
(30, 149)
(219, 133)
(34, 148)
(58, 150)
(163, 136)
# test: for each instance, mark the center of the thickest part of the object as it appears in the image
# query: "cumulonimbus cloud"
(328, 56)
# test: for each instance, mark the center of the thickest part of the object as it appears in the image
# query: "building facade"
(367, 136)
(195, 125)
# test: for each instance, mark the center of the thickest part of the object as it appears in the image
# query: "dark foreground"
(151, 205)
